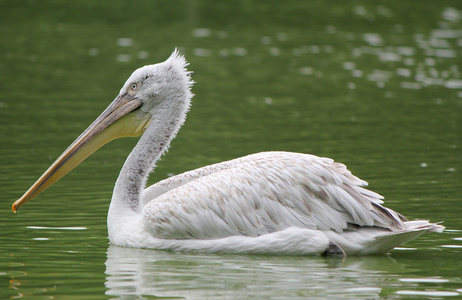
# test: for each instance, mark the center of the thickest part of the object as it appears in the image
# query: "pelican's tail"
(412, 230)
(374, 240)
(423, 225)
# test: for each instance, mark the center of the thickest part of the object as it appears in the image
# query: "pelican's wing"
(263, 193)
(176, 181)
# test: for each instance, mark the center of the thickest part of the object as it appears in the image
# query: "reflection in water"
(140, 272)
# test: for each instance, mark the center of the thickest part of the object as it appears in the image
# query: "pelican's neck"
(163, 127)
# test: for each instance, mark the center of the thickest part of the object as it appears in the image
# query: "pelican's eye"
(134, 86)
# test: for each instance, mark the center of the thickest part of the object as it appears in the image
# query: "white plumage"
(271, 202)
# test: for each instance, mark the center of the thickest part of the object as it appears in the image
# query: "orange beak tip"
(14, 208)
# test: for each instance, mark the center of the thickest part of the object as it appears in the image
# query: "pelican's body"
(272, 202)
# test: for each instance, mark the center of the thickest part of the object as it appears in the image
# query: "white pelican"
(271, 202)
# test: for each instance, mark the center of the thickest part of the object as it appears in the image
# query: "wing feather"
(263, 193)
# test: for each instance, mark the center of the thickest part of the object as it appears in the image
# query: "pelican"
(270, 202)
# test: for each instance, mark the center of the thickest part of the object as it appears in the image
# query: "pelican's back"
(265, 193)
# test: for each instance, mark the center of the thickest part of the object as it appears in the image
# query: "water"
(377, 86)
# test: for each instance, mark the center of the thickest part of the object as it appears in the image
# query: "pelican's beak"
(122, 118)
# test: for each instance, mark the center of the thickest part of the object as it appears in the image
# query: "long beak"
(122, 118)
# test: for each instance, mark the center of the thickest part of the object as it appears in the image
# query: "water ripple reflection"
(139, 272)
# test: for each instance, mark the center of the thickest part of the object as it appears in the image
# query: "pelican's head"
(163, 85)
(153, 84)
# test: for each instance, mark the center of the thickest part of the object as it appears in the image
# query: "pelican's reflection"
(140, 273)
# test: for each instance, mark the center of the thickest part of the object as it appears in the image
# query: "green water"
(375, 85)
